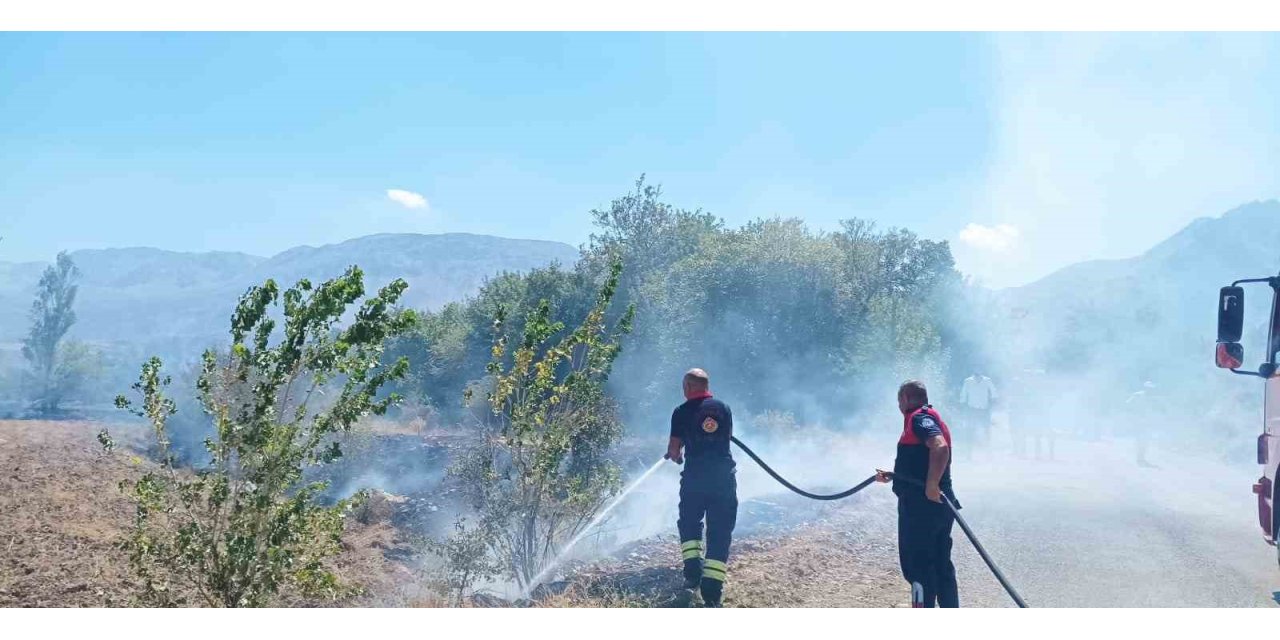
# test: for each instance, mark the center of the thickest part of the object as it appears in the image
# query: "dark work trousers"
(924, 551)
(716, 499)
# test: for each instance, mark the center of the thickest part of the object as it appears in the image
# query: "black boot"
(692, 573)
(711, 592)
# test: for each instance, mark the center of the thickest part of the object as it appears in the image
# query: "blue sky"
(1027, 152)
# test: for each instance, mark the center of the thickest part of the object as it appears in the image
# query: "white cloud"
(408, 199)
(997, 239)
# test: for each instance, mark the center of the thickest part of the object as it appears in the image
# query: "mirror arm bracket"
(1274, 281)
(1266, 371)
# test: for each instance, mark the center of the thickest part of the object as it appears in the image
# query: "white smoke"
(1107, 143)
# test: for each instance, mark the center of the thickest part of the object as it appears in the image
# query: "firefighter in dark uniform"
(924, 522)
(708, 486)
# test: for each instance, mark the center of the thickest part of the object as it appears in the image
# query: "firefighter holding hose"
(921, 478)
(702, 427)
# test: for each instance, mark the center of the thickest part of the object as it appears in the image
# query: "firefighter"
(924, 522)
(708, 486)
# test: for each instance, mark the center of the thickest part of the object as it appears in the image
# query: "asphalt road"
(1093, 529)
(1089, 529)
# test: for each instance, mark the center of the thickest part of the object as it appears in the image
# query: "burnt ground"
(61, 513)
(1086, 530)
(842, 556)
(788, 551)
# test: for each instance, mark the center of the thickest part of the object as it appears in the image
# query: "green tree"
(437, 350)
(466, 561)
(78, 364)
(54, 371)
(247, 525)
(649, 236)
(448, 349)
(786, 318)
(541, 471)
(756, 308)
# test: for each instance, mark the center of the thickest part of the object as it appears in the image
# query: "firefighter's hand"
(932, 492)
(678, 458)
(883, 476)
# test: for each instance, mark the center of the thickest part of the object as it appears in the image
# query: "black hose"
(991, 564)
(783, 481)
(964, 526)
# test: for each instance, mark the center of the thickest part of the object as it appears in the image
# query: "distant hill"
(1153, 314)
(157, 296)
(1240, 243)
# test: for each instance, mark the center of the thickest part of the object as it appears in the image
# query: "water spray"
(564, 553)
(964, 526)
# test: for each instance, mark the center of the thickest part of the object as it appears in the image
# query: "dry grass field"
(61, 513)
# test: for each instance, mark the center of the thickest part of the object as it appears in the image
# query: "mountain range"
(152, 295)
(148, 296)
(1207, 253)
(1153, 314)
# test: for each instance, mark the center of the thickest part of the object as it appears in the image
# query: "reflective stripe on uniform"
(714, 569)
(691, 549)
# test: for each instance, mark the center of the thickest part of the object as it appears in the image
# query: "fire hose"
(964, 526)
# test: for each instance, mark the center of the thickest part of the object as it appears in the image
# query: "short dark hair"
(915, 391)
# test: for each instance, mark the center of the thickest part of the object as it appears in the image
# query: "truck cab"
(1230, 355)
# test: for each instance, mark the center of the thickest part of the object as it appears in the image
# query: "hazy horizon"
(1137, 254)
(1028, 152)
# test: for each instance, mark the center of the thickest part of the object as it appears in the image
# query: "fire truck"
(1230, 355)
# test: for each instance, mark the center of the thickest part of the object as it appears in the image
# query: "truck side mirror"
(1230, 314)
(1229, 355)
